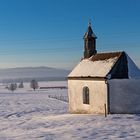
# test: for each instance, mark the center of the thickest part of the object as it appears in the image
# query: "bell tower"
(89, 42)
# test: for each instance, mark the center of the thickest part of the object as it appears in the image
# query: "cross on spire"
(89, 23)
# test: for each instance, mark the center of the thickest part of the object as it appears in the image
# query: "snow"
(91, 68)
(100, 68)
(133, 70)
(34, 116)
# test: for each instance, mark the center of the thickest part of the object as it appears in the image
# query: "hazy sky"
(50, 32)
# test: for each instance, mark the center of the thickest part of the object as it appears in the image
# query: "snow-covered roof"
(101, 65)
(98, 65)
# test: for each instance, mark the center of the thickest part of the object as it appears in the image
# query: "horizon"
(50, 33)
(35, 67)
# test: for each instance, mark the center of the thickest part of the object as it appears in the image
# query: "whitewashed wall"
(98, 96)
(124, 96)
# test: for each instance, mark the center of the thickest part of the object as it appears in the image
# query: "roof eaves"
(87, 78)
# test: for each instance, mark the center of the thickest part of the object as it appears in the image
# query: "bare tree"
(12, 86)
(21, 85)
(34, 84)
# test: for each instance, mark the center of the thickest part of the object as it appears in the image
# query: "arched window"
(85, 95)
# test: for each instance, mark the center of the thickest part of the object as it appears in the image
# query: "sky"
(50, 32)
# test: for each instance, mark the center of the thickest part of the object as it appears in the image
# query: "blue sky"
(50, 32)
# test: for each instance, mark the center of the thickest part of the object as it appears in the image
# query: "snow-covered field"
(35, 116)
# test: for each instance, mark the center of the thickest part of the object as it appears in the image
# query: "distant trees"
(12, 86)
(34, 84)
(21, 85)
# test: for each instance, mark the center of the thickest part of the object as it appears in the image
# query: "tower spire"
(89, 42)
(89, 23)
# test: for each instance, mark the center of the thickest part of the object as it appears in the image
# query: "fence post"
(105, 110)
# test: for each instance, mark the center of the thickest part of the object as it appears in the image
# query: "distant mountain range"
(26, 74)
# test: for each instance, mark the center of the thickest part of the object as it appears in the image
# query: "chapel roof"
(98, 65)
(105, 56)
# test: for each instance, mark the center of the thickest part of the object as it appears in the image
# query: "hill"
(27, 73)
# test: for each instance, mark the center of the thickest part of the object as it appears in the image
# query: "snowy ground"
(34, 116)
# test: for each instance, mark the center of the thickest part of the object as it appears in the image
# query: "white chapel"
(103, 82)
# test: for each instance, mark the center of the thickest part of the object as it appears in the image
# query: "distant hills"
(26, 74)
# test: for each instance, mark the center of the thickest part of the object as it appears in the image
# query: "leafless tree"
(21, 85)
(12, 86)
(34, 84)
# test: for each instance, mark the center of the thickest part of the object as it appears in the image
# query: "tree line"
(13, 86)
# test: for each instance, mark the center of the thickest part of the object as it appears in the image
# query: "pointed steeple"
(90, 42)
(89, 33)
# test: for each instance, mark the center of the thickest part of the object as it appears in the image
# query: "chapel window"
(85, 95)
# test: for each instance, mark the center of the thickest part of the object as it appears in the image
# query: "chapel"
(105, 82)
